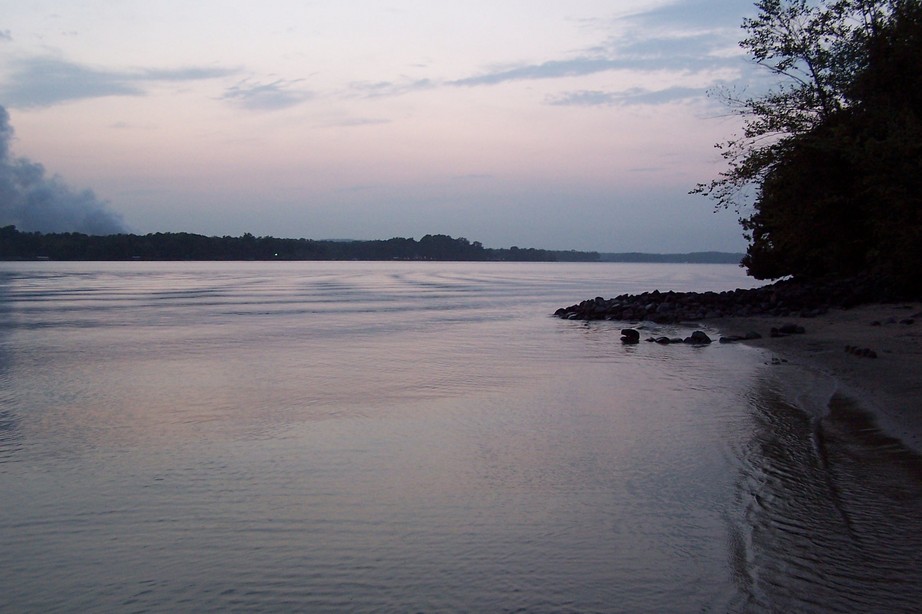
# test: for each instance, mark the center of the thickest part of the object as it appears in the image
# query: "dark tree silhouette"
(831, 156)
(186, 246)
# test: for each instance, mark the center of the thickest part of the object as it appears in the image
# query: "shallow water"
(420, 436)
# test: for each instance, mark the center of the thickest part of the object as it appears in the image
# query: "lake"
(397, 436)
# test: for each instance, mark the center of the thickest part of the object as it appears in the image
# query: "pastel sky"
(560, 124)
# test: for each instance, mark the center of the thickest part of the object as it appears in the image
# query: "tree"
(813, 49)
(888, 145)
(829, 157)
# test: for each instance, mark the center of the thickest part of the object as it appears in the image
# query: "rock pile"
(631, 336)
(782, 299)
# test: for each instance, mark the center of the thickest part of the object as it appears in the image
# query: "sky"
(556, 124)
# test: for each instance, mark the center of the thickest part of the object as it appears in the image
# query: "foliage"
(831, 156)
(812, 51)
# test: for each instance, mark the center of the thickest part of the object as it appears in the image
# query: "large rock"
(698, 338)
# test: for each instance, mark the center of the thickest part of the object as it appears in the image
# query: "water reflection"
(10, 428)
(831, 512)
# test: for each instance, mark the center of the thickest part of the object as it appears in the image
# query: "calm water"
(422, 437)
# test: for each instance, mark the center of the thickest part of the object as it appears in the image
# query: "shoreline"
(860, 340)
(888, 387)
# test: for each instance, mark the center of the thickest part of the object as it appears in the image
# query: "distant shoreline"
(686, 258)
(16, 245)
(632, 258)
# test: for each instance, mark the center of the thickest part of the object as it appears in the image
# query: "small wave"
(830, 513)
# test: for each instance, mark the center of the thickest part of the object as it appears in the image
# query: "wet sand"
(889, 386)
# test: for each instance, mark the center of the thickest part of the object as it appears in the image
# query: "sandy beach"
(888, 386)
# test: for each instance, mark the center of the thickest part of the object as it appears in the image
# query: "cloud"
(34, 202)
(585, 98)
(694, 14)
(553, 69)
(633, 96)
(5, 36)
(628, 58)
(42, 82)
(46, 81)
(684, 36)
(266, 96)
(390, 88)
(188, 73)
(676, 51)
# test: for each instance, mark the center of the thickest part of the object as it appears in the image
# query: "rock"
(791, 329)
(630, 336)
(662, 340)
(860, 352)
(786, 298)
(698, 338)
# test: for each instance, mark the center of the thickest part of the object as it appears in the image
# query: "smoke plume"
(32, 201)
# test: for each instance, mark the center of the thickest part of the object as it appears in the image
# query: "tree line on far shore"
(17, 245)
